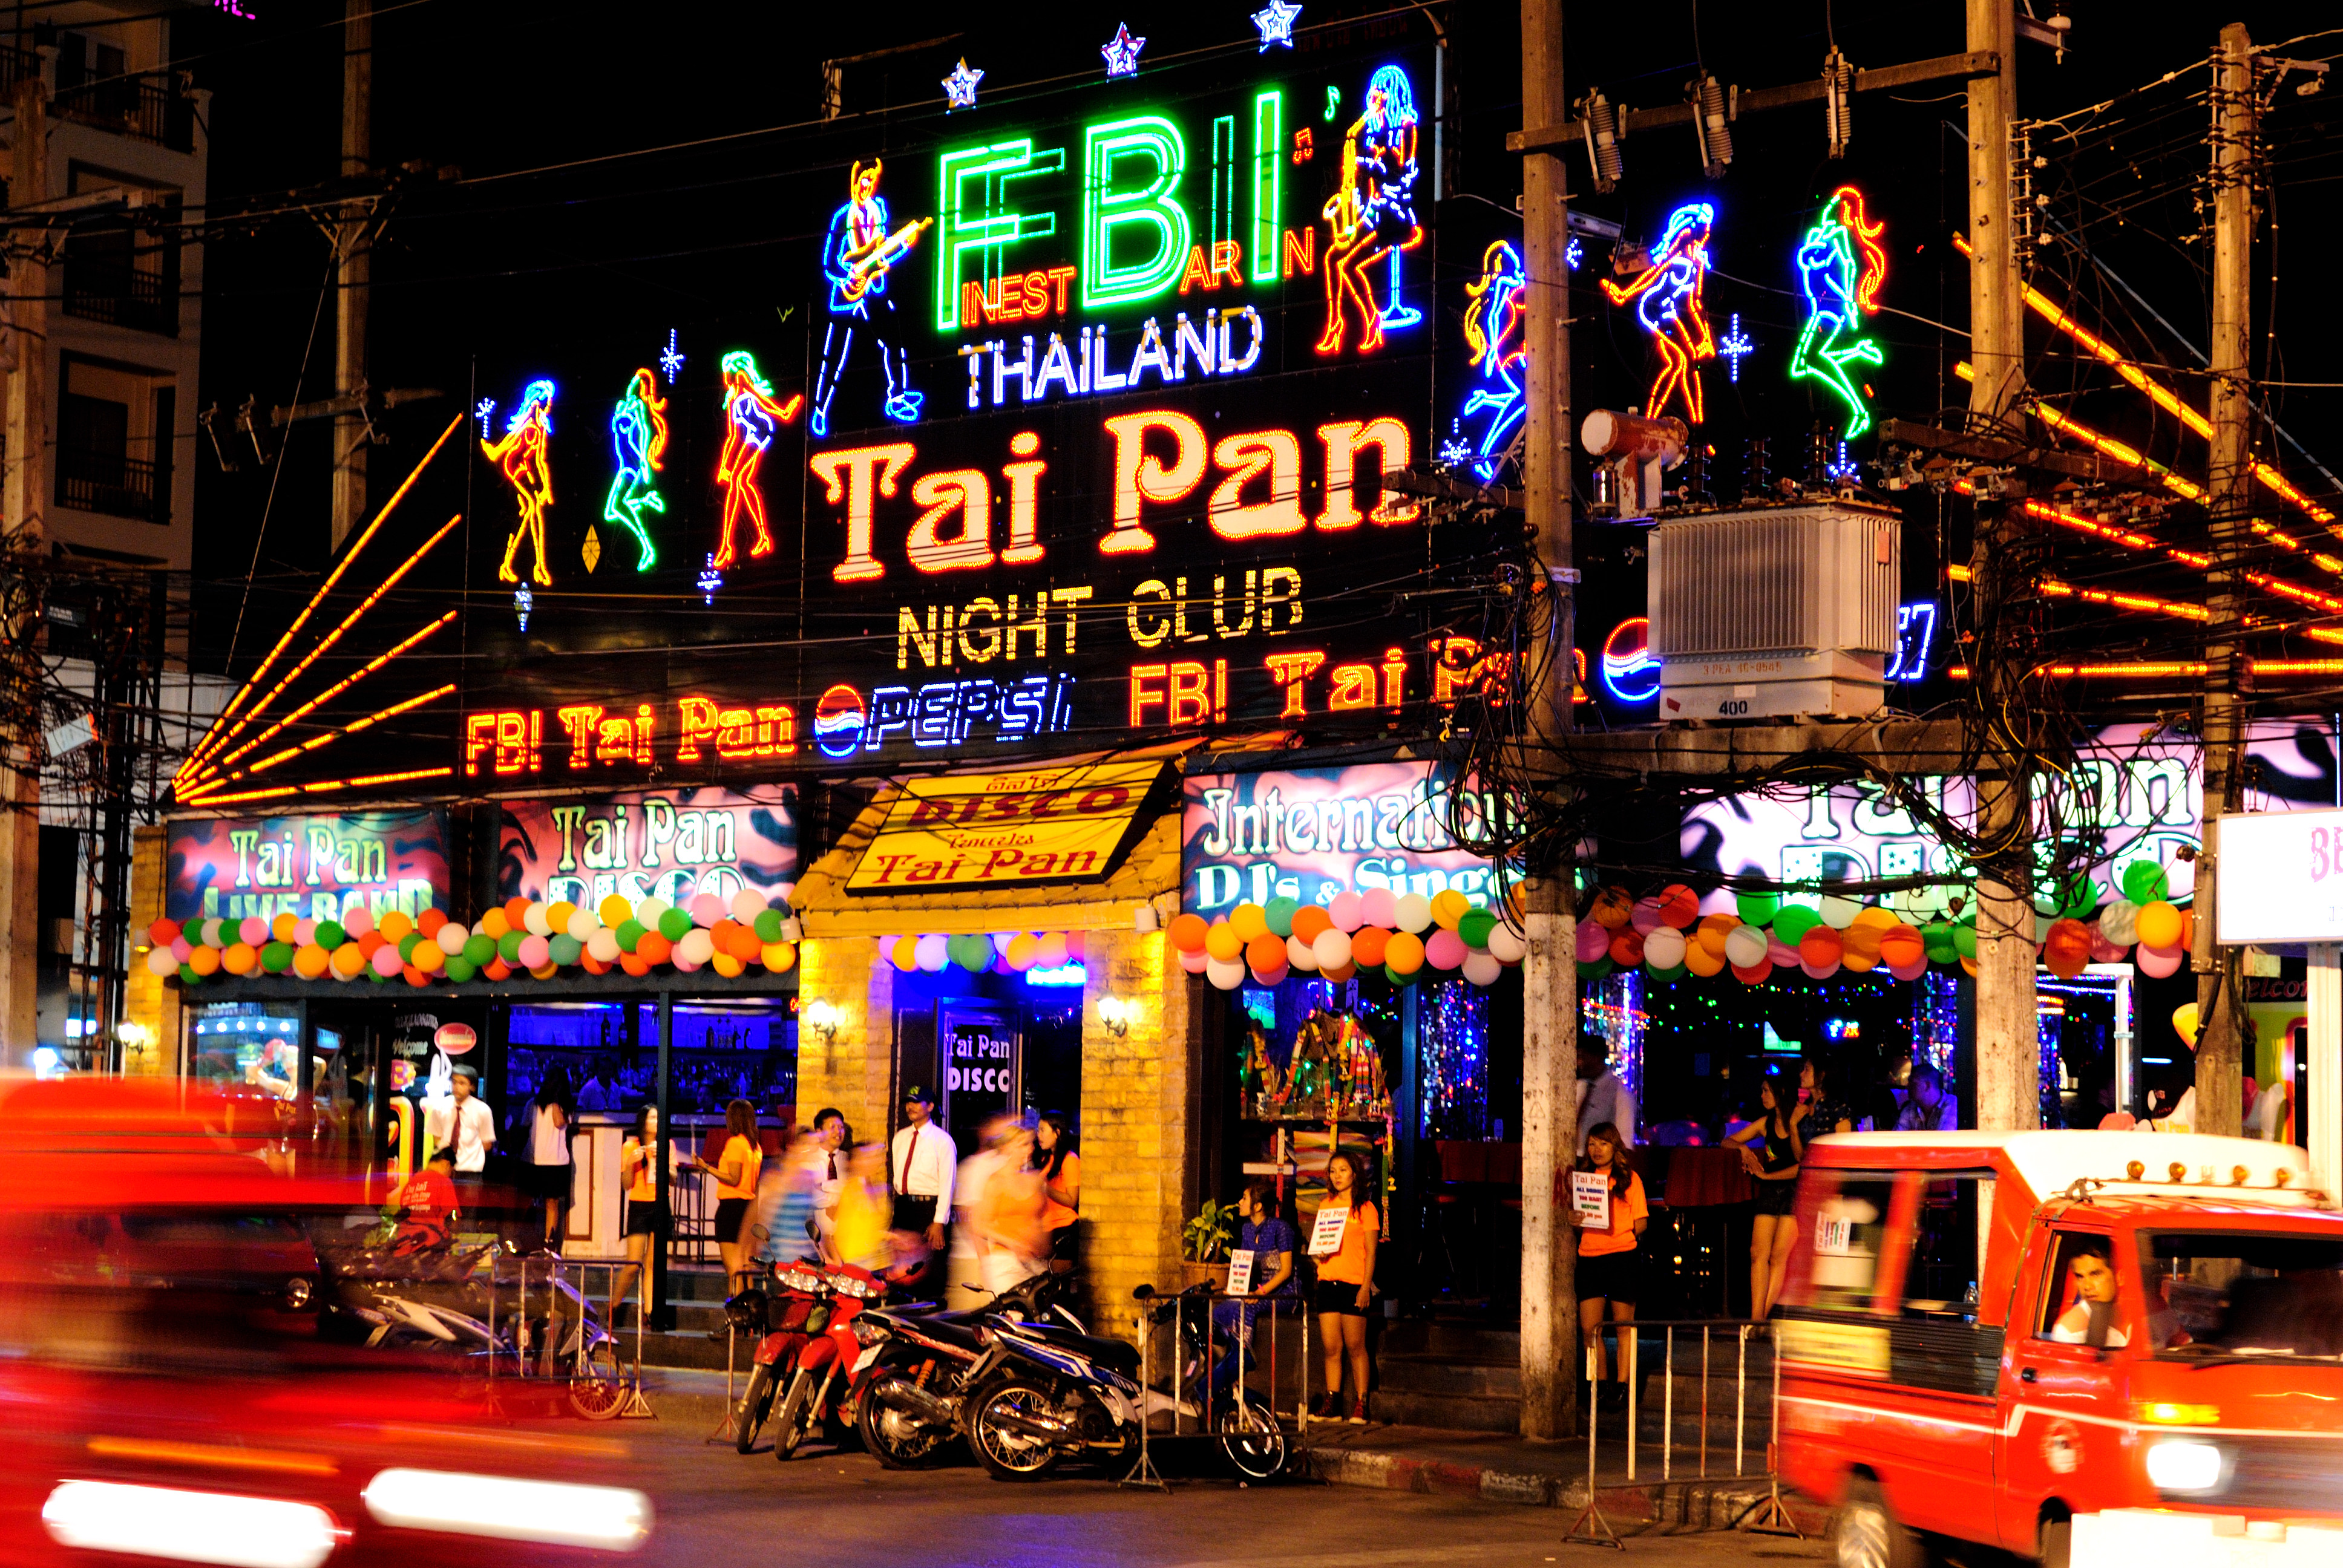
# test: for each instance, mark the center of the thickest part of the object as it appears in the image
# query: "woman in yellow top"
(1609, 1259)
(1062, 1185)
(1345, 1286)
(647, 1220)
(735, 1168)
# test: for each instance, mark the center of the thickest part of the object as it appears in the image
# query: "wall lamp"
(824, 1020)
(1116, 1014)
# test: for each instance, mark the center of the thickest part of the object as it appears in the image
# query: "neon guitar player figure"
(751, 419)
(857, 254)
(520, 456)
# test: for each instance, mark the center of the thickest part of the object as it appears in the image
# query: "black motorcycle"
(912, 1376)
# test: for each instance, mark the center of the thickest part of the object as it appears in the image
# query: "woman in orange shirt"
(1609, 1259)
(1345, 1286)
(646, 1209)
(1062, 1184)
(737, 1164)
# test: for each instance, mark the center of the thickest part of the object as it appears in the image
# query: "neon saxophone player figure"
(520, 456)
(1840, 268)
(638, 439)
(857, 254)
(1670, 305)
(1373, 215)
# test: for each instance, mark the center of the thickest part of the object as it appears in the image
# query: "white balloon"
(1226, 974)
(649, 912)
(698, 946)
(534, 922)
(1000, 940)
(1333, 949)
(159, 961)
(1414, 913)
(930, 952)
(584, 924)
(604, 945)
(1838, 912)
(747, 905)
(1665, 947)
(1482, 969)
(2119, 922)
(452, 937)
(1301, 955)
(1746, 947)
(1506, 946)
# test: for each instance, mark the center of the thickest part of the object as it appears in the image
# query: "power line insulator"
(1838, 102)
(1712, 122)
(1600, 118)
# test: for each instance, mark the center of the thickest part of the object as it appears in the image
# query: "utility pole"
(1549, 1353)
(2008, 1048)
(22, 511)
(353, 242)
(2220, 978)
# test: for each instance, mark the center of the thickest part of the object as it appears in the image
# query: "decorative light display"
(1840, 268)
(1574, 253)
(1453, 1063)
(1333, 103)
(1670, 304)
(1122, 51)
(522, 455)
(1916, 630)
(1494, 314)
(709, 581)
(639, 442)
(1614, 1010)
(1276, 24)
(857, 254)
(670, 359)
(483, 411)
(1372, 217)
(751, 417)
(1736, 347)
(2049, 1025)
(1842, 468)
(1630, 673)
(1936, 1022)
(524, 605)
(960, 88)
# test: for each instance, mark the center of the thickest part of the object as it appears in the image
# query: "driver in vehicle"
(2091, 1320)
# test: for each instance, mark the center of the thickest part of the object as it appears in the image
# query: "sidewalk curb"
(1698, 1505)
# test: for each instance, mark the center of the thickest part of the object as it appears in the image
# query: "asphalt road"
(718, 1509)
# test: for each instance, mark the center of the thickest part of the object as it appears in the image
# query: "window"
(125, 270)
(2218, 1293)
(1944, 1275)
(2066, 1312)
(1850, 1224)
(114, 430)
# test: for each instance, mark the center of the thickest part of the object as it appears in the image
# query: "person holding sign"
(1344, 1239)
(1260, 1273)
(1608, 1211)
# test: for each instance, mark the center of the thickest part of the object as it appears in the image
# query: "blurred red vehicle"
(166, 1394)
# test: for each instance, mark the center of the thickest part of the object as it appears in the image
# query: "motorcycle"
(785, 1319)
(826, 1360)
(910, 1379)
(1044, 1393)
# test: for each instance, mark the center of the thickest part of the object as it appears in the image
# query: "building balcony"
(112, 484)
(139, 107)
(101, 288)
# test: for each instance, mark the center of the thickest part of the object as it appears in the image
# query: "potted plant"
(1204, 1243)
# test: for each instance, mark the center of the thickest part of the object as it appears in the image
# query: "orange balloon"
(1710, 934)
(1368, 944)
(1756, 974)
(653, 948)
(634, 963)
(1701, 962)
(1626, 949)
(430, 921)
(1309, 921)
(1900, 946)
(1187, 932)
(1611, 909)
(348, 959)
(1679, 906)
(1821, 946)
(283, 928)
(1265, 953)
(240, 959)
(516, 913)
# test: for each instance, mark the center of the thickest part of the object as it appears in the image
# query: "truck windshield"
(2223, 1293)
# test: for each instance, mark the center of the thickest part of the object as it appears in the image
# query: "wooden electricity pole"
(31, 450)
(1550, 990)
(353, 240)
(2220, 979)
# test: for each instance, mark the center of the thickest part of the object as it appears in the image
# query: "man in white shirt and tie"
(921, 1165)
(463, 1122)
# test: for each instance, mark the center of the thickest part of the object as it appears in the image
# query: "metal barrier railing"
(624, 1397)
(1143, 1472)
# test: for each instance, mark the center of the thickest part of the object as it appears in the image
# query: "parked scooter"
(785, 1317)
(1044, 1395)
(825, 1364)
(909, 1381)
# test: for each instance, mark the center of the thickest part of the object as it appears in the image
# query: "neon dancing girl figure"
(639, 440)
(752, 419)
(1840, 268)
(1373, 215)
(1492, 331)
(520, 455)
(1670, 305)
(856, 256)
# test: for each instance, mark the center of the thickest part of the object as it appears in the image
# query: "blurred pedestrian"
(965, 1262)
(836, 1139)
(1014, 1214)
(1054, 1152)
(862, 1237)
(781, 1225)
(1603, 1096)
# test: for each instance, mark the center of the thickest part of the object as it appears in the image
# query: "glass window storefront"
(607, 1054)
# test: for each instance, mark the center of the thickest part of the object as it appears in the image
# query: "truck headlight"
(2182, 1465)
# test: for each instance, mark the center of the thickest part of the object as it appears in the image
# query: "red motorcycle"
(790, 1316)
(825, 1366)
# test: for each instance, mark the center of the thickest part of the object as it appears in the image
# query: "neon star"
(670, 361)
(1276, 24)
(960, 88)
(1122, 51)
(1735, 343)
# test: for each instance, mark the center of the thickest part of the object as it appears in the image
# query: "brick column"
(1138, 1097)
(148, 1000)
(850, 1071)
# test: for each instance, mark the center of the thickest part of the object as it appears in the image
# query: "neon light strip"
(2162, 396)
(349, 620)
(2263, 580)
(316, 600)
(2187, 489)
(407, 778)
(371, 719)
(2150, 670)
(2138, 601)
(210, 800)
(337, 689)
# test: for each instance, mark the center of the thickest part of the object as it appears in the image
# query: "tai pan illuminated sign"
(2281, 877)
(1006, 830)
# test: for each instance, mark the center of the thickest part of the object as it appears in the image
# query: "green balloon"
(330, 935)
(480, 950)
(187, 975)
(1965, 941)
(565, 948)
(462, 970)
(375, 976)
(1756, 909)
(277, 957)
(1793, 923)
(1596, 970)
(628, 933)
(1675, 973)
(972, 954)
(2144, 882)
(508, 946)
(1409, 978)
(406, 946)
(676, 924)
(1280, 913)
(767, 926)
(1475, 927)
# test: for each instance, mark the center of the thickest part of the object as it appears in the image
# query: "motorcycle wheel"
(894, 1439)
(1252, 1440)
(1007, 1455)
(755, 1406)
(596, 1389)
(795, 1421)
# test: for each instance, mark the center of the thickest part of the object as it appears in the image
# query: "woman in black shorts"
(647, 1220)
(1771, 1150)
(1610, 1256)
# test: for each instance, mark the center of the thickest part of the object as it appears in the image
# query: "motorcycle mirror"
(1142, 1292)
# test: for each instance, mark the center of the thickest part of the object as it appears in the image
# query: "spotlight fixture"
(1602, 121)
(1838, 102)
(1712, 123)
